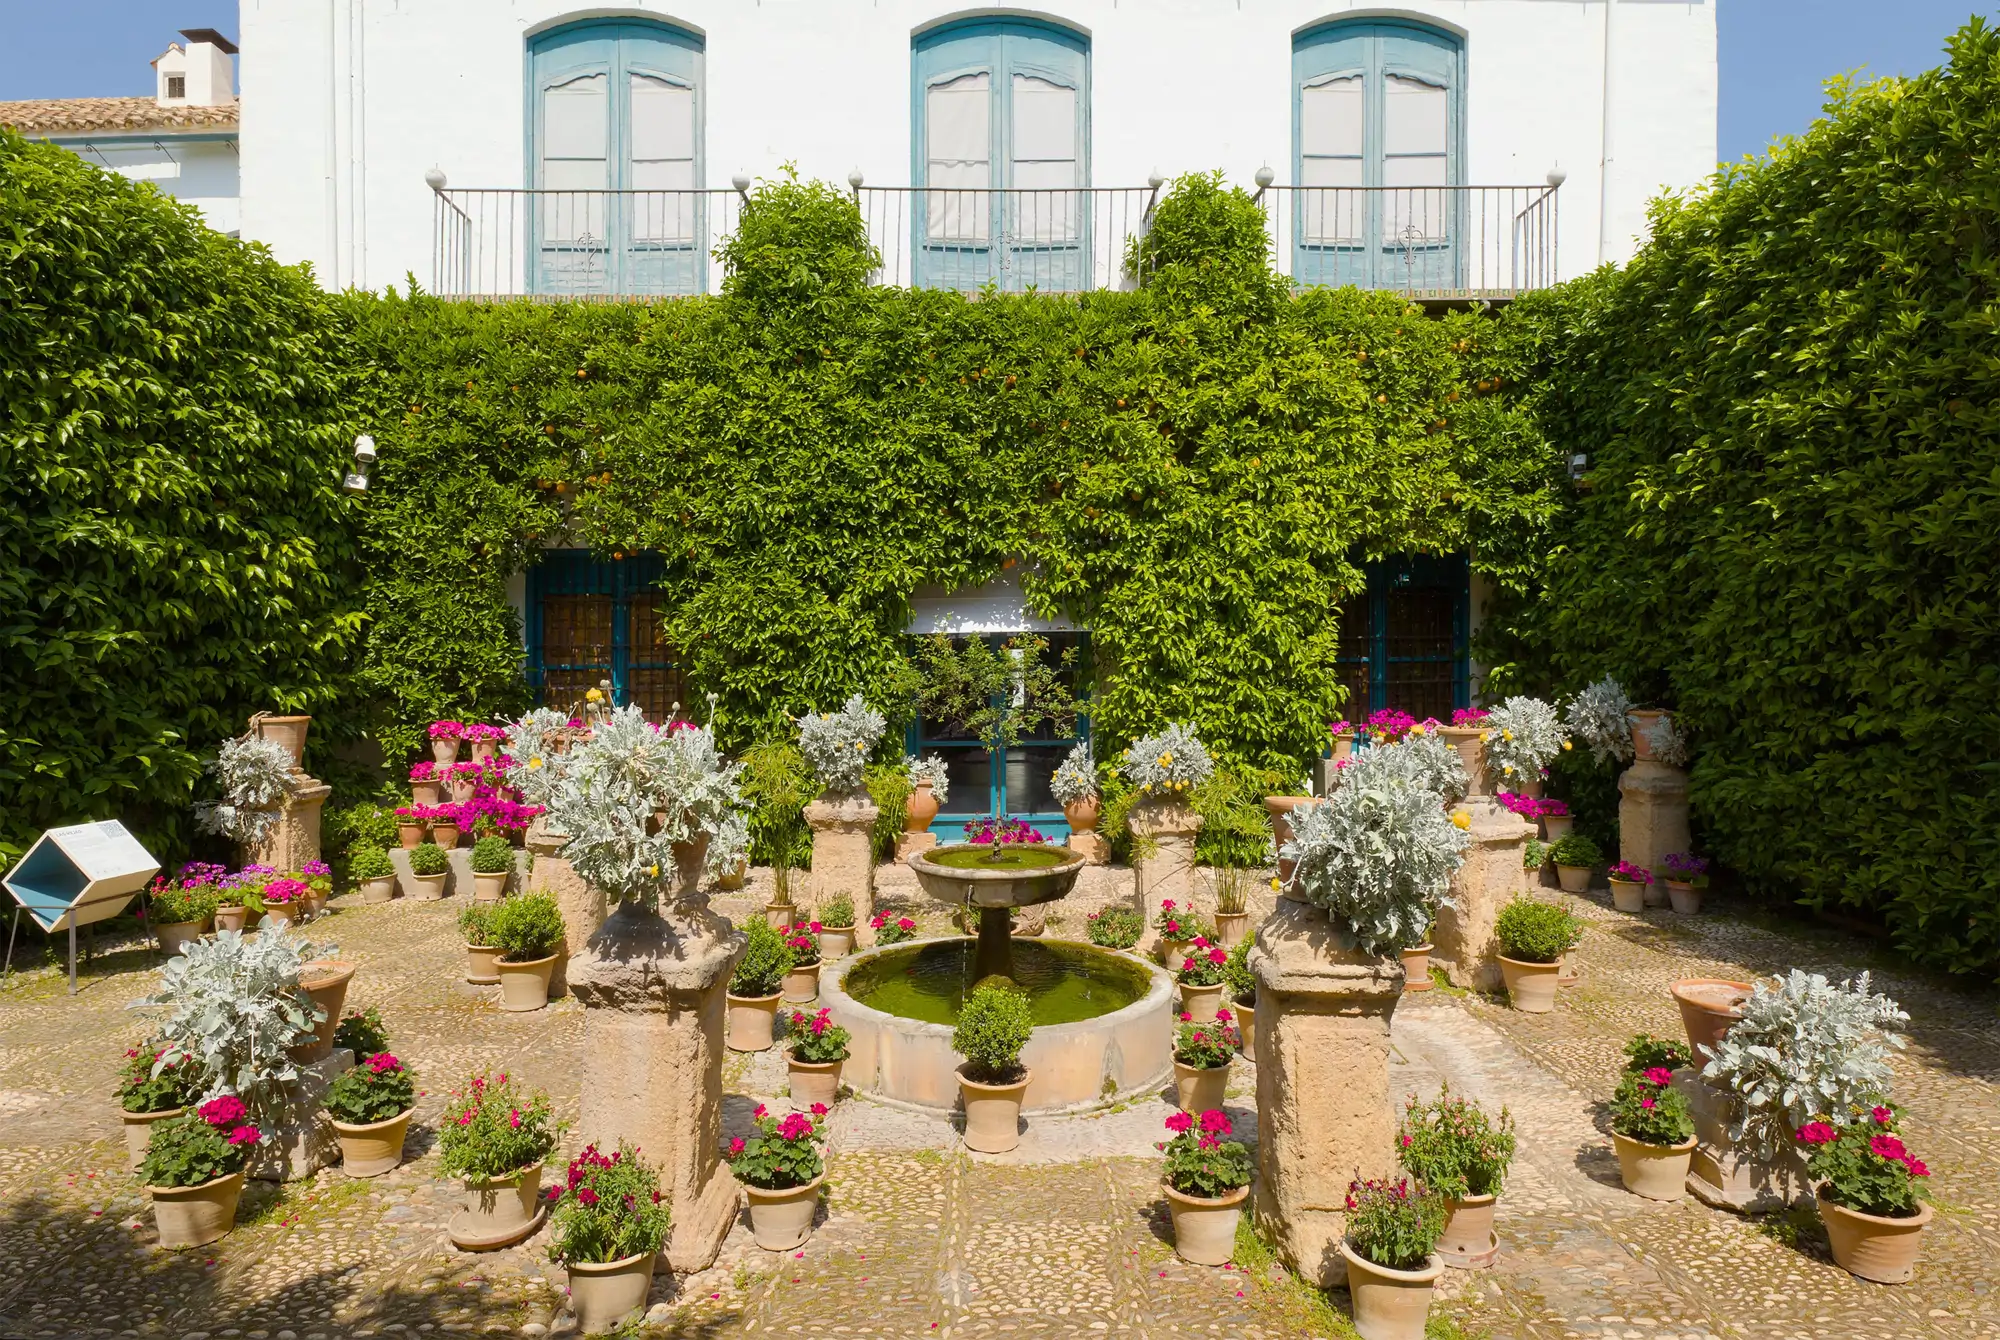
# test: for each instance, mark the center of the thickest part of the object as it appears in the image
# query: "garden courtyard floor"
(1065, 1237)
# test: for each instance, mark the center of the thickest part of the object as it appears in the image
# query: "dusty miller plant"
(729, 846)
(1523, 736)
(836, 744)
(536, 744)
(1600, 716)
(1804, 1048)
(233, 1003)
(1423, 761)
(1075, 779)
(255, 773)
(1668, 741)
(932, 771)
(1173, 762)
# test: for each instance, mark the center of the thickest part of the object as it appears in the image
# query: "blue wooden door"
(590, 620)
(1404, 640)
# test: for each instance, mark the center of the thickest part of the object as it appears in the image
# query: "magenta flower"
(1179, 1121)
(1883, 1116)
(1817, 1133)
(1659, 1075)
(735, 1146)
(819, 1109)
(1216, 1122)
(1887, 1147)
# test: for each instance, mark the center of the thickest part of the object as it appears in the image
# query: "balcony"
(1431, 243)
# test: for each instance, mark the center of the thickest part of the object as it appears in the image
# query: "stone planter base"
(139, 1129)
(194, 1216)
(604, 1294)
(781, 1220)
(1204, 1228)
(1200, 1091)
(1389, 1304)
(1468, 1241)
(1657, 1172)
(374, 1148)
(499, 1212)
(525, 986)
(1873, 1247)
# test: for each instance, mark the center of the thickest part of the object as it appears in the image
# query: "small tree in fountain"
(836, 744)
(997, 695)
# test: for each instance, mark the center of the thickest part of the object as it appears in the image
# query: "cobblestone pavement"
(1066, 1236)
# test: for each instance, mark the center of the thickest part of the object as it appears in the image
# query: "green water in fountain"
(1065, 981)
(1011, 856)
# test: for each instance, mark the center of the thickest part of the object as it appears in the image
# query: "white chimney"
(201, 75)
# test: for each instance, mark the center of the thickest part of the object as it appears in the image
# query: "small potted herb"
(892, 930)
(178, 912)
(232, 908)
(1534, 936)
(994, 1025)
(817, 1047)
(429, 867)
(1653, 1133)
(607, 1224)
(1687, 876)
(1201, 978)
(318, 877)
(361, 1032)
(1631, 886)
(754, 987)
(1461, 1155)
(193, 1170)
(1392, 1264)
(492, 866)
(370, 1106)
(1242, 996)
(157, 1085)
(781, 1169)
(371, 869)
(529, 932)
(1417, 963)
(494, 1136)
(835, 928)
(1575, 857)
(1202, 1053)
(1207, 1179)
(801, 981)
(482, 956)
(1871, 1193)
(1115, 927)
(1176, 928)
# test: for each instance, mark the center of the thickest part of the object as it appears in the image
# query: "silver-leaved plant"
(729, 846)
(1523, 736)
(1075, 778)
(255, 772)
(1173, 762)
(1600, 716)
(1667, 740)
(537, 744)
(1422, 760)
(933, 770)
(836, 744)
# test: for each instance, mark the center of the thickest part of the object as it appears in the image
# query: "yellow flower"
(1167, 759)
(1509, 769)
(1461, 818)
(1506, 735)
(858, 744)
(1565, 744)
(653, 870)
(593, 695)
(1275, 884)
(1416, 730)
(1486, 735)
(534, 762)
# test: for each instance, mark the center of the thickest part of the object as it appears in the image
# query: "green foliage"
(1235, 829)
(375, 1089)
(1393, 1224)
(1861, 1163)
(1532, 931)
(427, 858)
(1199, 1162)
(606, 1209)
(493, 1127)
(814, 1038)
(178, 553)
(1792, 416)
(1576, 850)
(187, 1151)
(1454, 1148)
(996, 695)
(492, 856)
(369, 863)
(475, 923)
(993, 1025)
(1236, 974)
(156, 1081)
(766, 959)
(362, 1032)
(778, 785)
(173, 904)
(1207, 1046)
(526, 928)
(1650, 1112)
(1115, 927)
(837, 912)
(889, 787)
(1643, 1052)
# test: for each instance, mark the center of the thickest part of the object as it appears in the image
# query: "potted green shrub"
(1207, 1179)
(370, 1106)
(1115, 927)
(1534, 936)
(179, 912)
(494, 1135)
(1630, 886)
(754, 987)
(801, 980)
(994, 1025)
(835, 928)
(193, 1170)
(1461, 1155)
(1653, 1133)
(1202, 1053)
(157, 1085)
(781, 1170)
(482, 956)
(529, 932)
(1575, 857)
(361, 1032)
(607, 1224)
(492, 866)
(1392, 1231)
(1202, 979)
(1242, 995)
(429, 867)
(1871, 1192)
(813, 1058)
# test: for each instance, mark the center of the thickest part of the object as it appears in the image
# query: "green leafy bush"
(492, 856)
(837, 912)
(815, 1038)
(993, 1025)
(494, 1127)
(1393, 1224)
(475, 923)
(1576, 850)
(1643, 1051)
(157, 1079)
(193, 1149)
(427, 858)
(1647, 1108)
(1454, 1148)
(526, 928)
(1236, 974)
(1207, 1046)
(175, 905)
(366, 863)
(1115, 927)
(607, 1208)
(1531, 931)
(362, 1032)
(376, 1088)
(765, 961)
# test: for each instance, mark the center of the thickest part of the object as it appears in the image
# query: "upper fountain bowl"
(1019, 874)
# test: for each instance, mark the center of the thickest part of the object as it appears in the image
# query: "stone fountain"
(995, 879)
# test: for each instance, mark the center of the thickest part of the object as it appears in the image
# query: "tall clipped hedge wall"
(1791, 404)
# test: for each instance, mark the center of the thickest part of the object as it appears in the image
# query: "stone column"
(1463, 939)
(652, 988)
(1324, 1114)
(583, 906)
(1652, 817)
(294, 838)
(1164, 831)
(843, 855)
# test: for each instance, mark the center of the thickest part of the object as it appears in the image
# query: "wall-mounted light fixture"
(356, 480)
(1579, 466)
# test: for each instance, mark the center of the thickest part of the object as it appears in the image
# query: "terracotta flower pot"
(1628, 895)
(139, 1129)
(1655, 894)
(280, 914)
(231, 917)
(325, 980)
(1230, 928)
(1657, 1172)
(1531, 787)
(752, 1022)
(1417, 968)
(445, 835)
(1641, 721)
(1709, 1005)
(174, 935)
(779, 916)
(1199, 1090)
(920, 808)
(1684, 898)
(1389, 1304)
(378, 890)
(372, 1148)
(732, 880)
(444, 753)
(194, 1216)
(1082, 814)
(813, 1082)
(430, 888)
(1471, 752)
(410, 835)
(489, 887)
(1245, 1018)
(1205, 1228)
(1201, 1002)
(426, 793)
(801, 984)
(313, 904)
(1173, 953)
(1872, 1246)
(835, 942)
(604, 1294)
(1573, 878)
(288, 731)
(463, 787)
(525, 986)
(484, 751)
(1532, 987)
(992, 1113)
(782, 1220)
(499, 1211)
(1570, 971)
(1280, 809)
(1468, 1241)
(482, 965)
(1556, 827)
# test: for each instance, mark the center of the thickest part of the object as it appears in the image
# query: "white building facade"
(533, 146)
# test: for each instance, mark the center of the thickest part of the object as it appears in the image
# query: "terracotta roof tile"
(71, 116)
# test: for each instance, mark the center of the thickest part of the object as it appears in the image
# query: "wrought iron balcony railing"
(1426, 241)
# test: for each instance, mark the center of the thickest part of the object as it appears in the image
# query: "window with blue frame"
(615, 155)
(1000, 143)
(1404, 640)
(1377, 108)
(590, 620)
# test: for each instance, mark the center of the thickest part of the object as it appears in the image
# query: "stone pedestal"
(1163, 833)
(1722, 1173)
(906, 843)
(652, 987)
(461, 871)
(304, 1141)
(1324, 1114)
(294, 838)
(1092, 846)
(406, 884)
(1652, 817)
(583, 907)
(843, 859)
(1465, 945)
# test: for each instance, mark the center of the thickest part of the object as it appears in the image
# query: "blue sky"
(1775, 54)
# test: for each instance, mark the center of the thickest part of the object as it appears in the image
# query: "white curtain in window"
(1332, 138)
(958, 158)
(1046, 204)
(575, 158)
(1414, 156)
(662, 152)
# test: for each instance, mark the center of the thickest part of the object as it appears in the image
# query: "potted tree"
(428, 868)
(1207, 1179)
(370, 1106)
(994, 1025)
(492, 867)
(781, 1171)
(371, 869)
(817, 1047)
(1687, 876)
(801, 981)
(1461, 1155)
(529, 931)
(606, 1226)
(1534, 936)
(1074, 787)
(835, 928)
(1392, 1231)
(995, 695)
(1202, 981)
(482, 956)
(1202, 1053)
(193, 1170)
(754, 987)
(1653, 1133)
(494, 1136)
(1242, 995)
(1630, 886)
(1575, 857)
(1871, 1192)
(157, 1085)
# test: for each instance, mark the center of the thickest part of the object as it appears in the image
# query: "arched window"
(1377, 143)
(614, 154)
(1000, 122)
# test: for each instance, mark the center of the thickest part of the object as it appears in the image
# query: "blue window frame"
(589, 620)
(1000, 149)
(1377, 136)
(615, 129)
(1404, 640)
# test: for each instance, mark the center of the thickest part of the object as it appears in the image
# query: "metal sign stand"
(14, 929)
